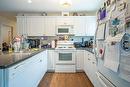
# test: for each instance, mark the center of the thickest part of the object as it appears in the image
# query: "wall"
(8, 22)
(48, 39)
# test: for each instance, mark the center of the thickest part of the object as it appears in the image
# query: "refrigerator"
(112, 44)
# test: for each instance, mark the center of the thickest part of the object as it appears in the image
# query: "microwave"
(65, 30)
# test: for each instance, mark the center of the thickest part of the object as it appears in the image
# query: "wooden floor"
(65, 80)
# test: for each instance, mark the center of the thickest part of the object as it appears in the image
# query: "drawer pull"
(93, 62)
(18, 66)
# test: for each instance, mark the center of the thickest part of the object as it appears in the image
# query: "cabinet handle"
(13, 74)
(88, 59)
(93, 62)
(40, 60)
(18, 66)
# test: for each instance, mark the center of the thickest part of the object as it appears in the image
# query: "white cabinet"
(90, 25)
(61, 20)
(1, 78)
(27, 73)
(80, 59)
(22, 25)
(45, 56)
(50, 26)
(39, 25)
(90, 68)
(80, 26)
(17, 75)
(51, 60)
(35, 26)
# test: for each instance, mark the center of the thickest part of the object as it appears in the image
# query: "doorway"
(6, 34)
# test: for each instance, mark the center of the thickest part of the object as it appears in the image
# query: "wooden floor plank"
(65, 80)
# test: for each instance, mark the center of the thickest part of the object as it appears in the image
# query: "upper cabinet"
(90, 25)
(80, 26)
(61, 20)
(47, 25)
(35, 26)
(21, 25)
(50, 26)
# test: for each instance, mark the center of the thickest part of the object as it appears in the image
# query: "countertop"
(9, 59)
(87, 49)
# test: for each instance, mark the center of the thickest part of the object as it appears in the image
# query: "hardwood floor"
(65, 80)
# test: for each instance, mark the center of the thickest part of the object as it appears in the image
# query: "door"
(79, 26)
(90, 25)
(65, 57)
(80, 59)
(50, 26)
(65, 21)
(17, 76)
(35, 26)
(7, 34)
(2, 79)
(51, 60)
(22, 25)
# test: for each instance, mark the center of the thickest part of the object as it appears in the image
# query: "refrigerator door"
(104, 81)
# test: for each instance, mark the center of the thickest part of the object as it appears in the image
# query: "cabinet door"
(80, 26)
(17, 76)
(79, 59)
(44, 65)
(35, 26)
(64, 21)
(28, 73)
(90, 25)
(21, 25)
(50, 26)
(51, 60)
(2, 79)
(88, 65)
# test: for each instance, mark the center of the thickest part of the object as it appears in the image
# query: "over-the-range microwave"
(65, 30)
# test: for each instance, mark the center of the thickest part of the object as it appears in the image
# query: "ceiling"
(47, 5)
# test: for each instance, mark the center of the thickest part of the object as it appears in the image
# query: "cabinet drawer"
(65, 68)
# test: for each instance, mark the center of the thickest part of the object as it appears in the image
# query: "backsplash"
(44, 40)
(79, 38)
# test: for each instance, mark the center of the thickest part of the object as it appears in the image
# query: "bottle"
(53, 44)
(10, 48)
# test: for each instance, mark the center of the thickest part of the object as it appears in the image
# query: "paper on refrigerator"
(128, 10)
(112, 56)
(101, 31)
(124, 69)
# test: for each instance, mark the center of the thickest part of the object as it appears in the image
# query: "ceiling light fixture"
(65, 3)
(29, 1)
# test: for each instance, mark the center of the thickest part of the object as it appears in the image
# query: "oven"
(65, 57)
(64, 30)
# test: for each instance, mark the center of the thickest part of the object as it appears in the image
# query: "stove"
(65, 45)
(65, 57)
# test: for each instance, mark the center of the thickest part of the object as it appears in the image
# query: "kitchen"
(82, 43)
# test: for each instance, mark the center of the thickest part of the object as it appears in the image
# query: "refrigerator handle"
(104, 81)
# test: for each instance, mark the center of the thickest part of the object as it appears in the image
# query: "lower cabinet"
(27, 73)
(90, 68)
(51, 60)
(80, 60)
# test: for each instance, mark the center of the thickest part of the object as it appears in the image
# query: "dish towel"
(112, 56)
